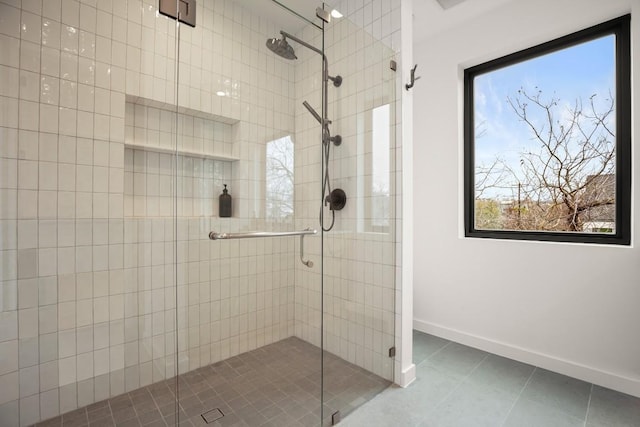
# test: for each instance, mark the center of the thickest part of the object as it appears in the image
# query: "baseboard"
(404, 377)
(566, 367)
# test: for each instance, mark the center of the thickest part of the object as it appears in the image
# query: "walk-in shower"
(116, 307)
(334, 199)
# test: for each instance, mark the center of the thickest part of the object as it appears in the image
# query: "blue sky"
(569, 74)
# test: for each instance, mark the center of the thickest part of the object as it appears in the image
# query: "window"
(547, 151)
(379, 201)
(374, 177)
(279, 194)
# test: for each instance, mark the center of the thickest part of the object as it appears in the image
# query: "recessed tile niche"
(203, 164)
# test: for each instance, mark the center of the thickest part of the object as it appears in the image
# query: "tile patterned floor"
(279, 385)
(461, 386)
(276, 385)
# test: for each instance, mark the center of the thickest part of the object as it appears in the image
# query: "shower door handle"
(254, 234)
(308, 262)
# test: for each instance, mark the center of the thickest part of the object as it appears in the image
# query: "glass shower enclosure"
(128, 296)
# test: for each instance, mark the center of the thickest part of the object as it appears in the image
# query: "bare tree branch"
(571, 174)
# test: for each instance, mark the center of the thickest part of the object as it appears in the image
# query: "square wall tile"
(9, 387)
(49, 404)
(29, 410)
(29, 381)
(8, 356)
(48, 347)
(10, 413)
(28, 352)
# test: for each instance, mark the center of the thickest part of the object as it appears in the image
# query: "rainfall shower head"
(281, 48)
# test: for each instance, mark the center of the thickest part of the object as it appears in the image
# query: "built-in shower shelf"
(180, 109)
(185, 153)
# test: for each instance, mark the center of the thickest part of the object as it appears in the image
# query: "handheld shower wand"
(313, 112)
(326, 134)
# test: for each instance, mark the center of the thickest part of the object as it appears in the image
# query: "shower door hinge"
(393, 65)
(325, 15)
(187, 10)
(392, 352)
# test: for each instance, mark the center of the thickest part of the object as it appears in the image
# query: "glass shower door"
(358, 292)
(270, 326)
(240, 360)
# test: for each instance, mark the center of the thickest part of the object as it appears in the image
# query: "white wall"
(405, 372)
(566, 307)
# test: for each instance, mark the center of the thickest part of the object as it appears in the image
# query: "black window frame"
(620, 27)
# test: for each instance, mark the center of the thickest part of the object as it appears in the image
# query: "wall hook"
(413, 78)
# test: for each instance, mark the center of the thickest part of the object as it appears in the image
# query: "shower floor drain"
(212, 415)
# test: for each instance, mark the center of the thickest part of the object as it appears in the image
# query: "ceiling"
(283, 18)
(430, 16)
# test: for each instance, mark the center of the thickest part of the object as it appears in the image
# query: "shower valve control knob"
(336, 200)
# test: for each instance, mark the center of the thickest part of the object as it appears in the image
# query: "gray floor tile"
(473, 406)
(502, 373)
(425, 345)
(381, 415)
(278, 384)
(431, 387)
(457, 359)
(558, 391)
(611, 408)
(398, 406)
(527, 413)
(444, 393)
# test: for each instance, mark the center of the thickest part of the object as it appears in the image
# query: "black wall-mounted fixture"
(187, 10)
(413, 78)
(336, 200)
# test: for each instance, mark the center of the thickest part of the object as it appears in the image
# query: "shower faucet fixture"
(326, 137)
(337, 198)
(337, 140)
(337, 80)
(281, 48)
(315, 114)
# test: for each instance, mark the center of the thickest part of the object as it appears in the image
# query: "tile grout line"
(462, 380)
(436, 352)
(535, 368)
(586, 415)
(432, 355)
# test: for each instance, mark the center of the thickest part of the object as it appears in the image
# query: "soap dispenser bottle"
(224, 210)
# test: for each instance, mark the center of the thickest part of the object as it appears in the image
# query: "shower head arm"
(325, 62)
(303, 43)
(337, 80)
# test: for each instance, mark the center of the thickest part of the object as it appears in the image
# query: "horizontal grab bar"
(253, 234)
